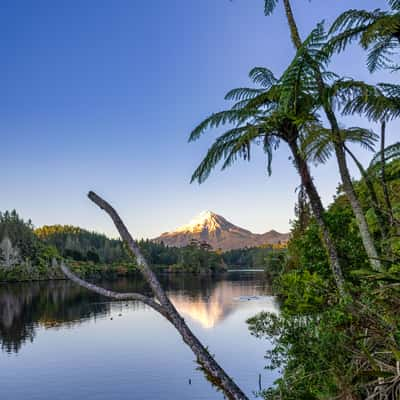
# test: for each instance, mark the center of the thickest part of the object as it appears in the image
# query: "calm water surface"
(59, 341)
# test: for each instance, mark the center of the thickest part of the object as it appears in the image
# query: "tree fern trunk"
(294, 32)
(383, 225)
(383, 175)
(318, 211)
(348, 188)
(347, 183)
(306, 179)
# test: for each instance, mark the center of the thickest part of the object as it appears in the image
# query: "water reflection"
(26, 307)
(56, 336)
(214, 307)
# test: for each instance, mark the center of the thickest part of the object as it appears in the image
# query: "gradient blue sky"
(101, 95)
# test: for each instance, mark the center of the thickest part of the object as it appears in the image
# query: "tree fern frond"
(375, 106)
(379, 57)
(213, 157)
(240, 105)
(366, 138)
(263, 77)
(270, 144)
(390, 153)
(354, 18)
(241, 147)
(215, 120)
(218, 151)
(317, 145)
(228, 147)
(394, 4)
(376, 31)
(269, 6)
(243, 94)
(339, 42)
(390, 89)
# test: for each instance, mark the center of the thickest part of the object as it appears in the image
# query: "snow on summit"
(219, 233)
(206, 219)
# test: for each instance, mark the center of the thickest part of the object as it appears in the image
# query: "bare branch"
(126, 236)
(114, 295)
(213, 371)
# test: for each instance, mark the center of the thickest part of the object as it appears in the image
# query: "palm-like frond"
(390, 89)
(390, 153)
(353, 19)
(239, 94)
(394, 4)
(263, 77)
(366, 138)
(270, 143)
(300, 77)
(269, 6)
(319, 143)
(346, 89)
(377, 31)
(380, 102)
(235, 144)
(216, 120)
(381, 53)
(220, 148)
(256, 118)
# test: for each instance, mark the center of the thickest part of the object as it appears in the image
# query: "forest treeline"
(27, 253)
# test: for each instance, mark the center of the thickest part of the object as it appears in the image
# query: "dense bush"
(330, 347)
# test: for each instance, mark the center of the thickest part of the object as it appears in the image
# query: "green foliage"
(269, 6)
(20, 233)
(328, 347)
(304, 291)
(253, 257)
(33, 258)
(338, 351)
(34, 254)
(377, 31)
(81, 245)
(268, 258)
(198, 258)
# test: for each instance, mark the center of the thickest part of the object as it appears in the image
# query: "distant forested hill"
(82, 245)
(27, 253)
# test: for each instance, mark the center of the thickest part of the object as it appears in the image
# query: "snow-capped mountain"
(219, 233)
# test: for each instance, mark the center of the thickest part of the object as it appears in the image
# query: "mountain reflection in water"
(26, 307)
(56, 336)
(222, 300)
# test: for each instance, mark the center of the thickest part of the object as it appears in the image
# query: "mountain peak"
(205, 220)
(219, 233)
(205, 215)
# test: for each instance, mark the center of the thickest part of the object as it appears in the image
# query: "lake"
(59, 341)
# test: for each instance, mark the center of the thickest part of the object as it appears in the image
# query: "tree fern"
(376, 31)
(269, 6)
(263, 77)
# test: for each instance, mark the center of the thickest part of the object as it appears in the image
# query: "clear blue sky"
(101, 95)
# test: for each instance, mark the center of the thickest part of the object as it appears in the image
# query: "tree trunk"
(318, 211)
(307, 181)
(340, 154)
(348, 188)
(294, 32)
(214, 372)
(373, 195)
(383, 175)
